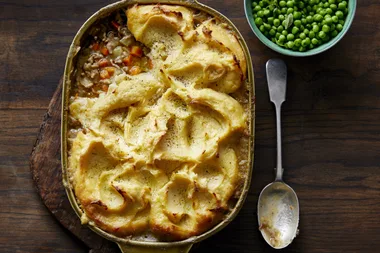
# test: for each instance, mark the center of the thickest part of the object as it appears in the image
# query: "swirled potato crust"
(162, 151)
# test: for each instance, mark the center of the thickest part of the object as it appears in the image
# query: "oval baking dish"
(131, 244)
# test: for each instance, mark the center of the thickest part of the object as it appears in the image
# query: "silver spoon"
(278, 208)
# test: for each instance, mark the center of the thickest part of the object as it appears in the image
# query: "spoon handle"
(276, 76)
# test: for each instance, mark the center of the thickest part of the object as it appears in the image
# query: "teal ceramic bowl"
(284, 51)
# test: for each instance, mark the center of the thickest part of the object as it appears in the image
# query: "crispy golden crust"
(159, 151)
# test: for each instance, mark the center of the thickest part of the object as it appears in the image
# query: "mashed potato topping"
(159, 152)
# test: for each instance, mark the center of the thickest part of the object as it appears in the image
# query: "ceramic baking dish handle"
(146, 249)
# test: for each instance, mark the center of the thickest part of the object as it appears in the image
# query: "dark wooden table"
(331, 131)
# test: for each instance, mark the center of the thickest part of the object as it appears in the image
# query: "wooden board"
(45, 165)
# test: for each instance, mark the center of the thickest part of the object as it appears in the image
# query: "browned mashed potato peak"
(160, 151)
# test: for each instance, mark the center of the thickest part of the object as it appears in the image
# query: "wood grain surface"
(331, 131)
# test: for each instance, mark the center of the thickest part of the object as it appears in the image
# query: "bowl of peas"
(300, 27)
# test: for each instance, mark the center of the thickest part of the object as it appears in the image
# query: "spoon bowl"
(278, 214)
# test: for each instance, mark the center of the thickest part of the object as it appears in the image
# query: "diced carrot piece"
(104, 74)
(135, 70)
(111, 70)
(115, 24)
(103, 63)
(128, 60)
(136, 51)
(95, 46)
(104, 88)
(150, 63)
(104, 51)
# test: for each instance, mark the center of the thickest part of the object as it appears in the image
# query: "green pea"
(311, 46)
(326, 4)
(285, 32)
(278, 35)
(257, 8)
(281, 17)
(276, 12)
(280, 29)
(290, 10)
(342, 6)
(321, 34)
(329, 11)
(290, 4)
(311, 13)
(281, 38)
(273, 40)
(329, 21)
(314, 41)
(271, 7)
(341, 22)
(326, 28)
(295, 30)
(309, 19)
(315, 28)
(297, 42)
(312, 2)
(290, 37)
(327, 16)
(284, 10)
(339, 27)
(267, 26)
(301, 49)
(261, 3)
(301, 5)
(284, 23)
(339, 14)
(318, 17)
(290, 44)
(254, 4)
(260, 14)
(297, 23)
(333, 7)
(302, 27)
(308, 8)
(334, 33)
(282, 3)
(272, 32)
(266, 12)
(327, 38)
(262, 28)
(276, 22)
(270, 20)
(305, 42)
(331, 1)
(332, 27)
(258, 21)
(322, 12)
(297, 15)
(335, 19)
(303, 20)
(302, 36)
(311, 34)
